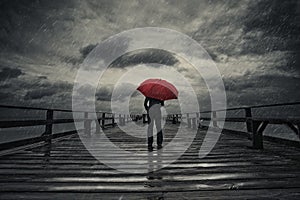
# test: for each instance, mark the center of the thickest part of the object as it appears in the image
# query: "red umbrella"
(158, 89)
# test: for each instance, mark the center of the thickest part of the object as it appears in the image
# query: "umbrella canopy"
(158, 89)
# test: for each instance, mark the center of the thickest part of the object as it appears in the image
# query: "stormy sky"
(255, 45)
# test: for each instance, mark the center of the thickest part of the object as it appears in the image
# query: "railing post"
(257, 135)
(188, 120)
(49, 124)
(214, 119)
(87, 124)
(98, 126)
(198, 120)
(194, 123)
(145, 118)
(113, 120)
(103, 120)
(249, 123)
(120, 119)
(298, 127)
(174, 119)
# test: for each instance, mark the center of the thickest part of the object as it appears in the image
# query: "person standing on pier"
(152, 107)
(156, 92)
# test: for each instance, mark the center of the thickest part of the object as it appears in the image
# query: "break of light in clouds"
(255, 45)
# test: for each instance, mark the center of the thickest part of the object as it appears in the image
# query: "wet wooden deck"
(232, 170)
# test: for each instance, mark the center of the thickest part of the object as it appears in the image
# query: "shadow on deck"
(232, 170)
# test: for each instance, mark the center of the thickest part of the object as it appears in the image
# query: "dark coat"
(152, 102)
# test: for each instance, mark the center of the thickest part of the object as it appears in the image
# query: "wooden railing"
(104, 121)
(255, 125)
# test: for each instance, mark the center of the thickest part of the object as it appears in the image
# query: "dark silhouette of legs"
(159, 139)
(150, 142)
(159, 130)
(155, 117)
(150, 133)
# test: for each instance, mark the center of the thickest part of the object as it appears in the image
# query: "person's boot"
(159, 139)
(150, 142)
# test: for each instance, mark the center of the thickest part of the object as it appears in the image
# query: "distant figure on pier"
(156, 92)
(152, 107)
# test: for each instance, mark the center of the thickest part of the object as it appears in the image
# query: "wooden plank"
(22, 123)
(18, 143)
(286, 193)
(150, 185)
(231, 166)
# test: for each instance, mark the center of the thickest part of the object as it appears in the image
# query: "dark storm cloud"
(86, 50)
(76, 60)
(8, 73)
(274, 17)
(42, 77)
(158, 56)
(40, 93)
(5, 95)
(28, 27)
(250, 28)
(243, 34)
(104, 94)
(112, 48)
(263, 81)
(48, 89)
(145, 56)
(36, 91)
(272, 26)
(35, 88)
(262, 89)
(121, 92)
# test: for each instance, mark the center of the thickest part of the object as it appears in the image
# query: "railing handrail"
(48, 122)
(260, 106)
(207, 111)
(246, 107)
(254, 125)
(53, 109)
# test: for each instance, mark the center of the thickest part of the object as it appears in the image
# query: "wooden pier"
(58, 166)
